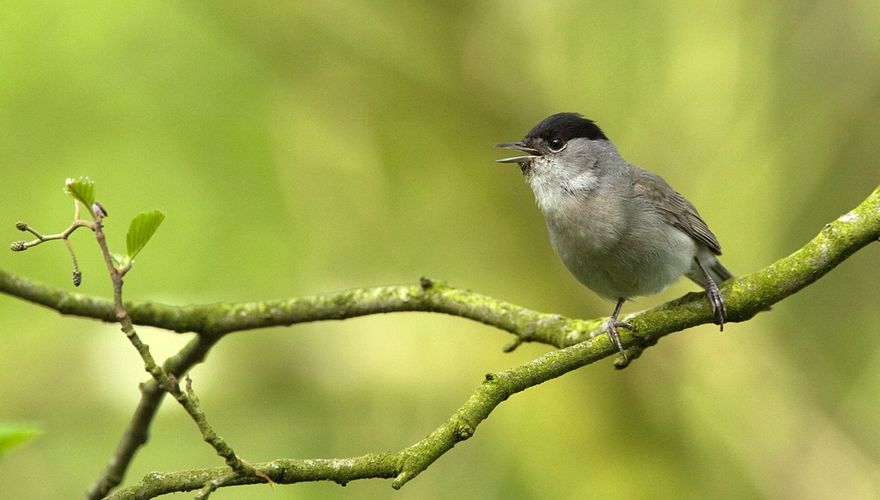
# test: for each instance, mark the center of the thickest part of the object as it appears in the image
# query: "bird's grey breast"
(610, 236)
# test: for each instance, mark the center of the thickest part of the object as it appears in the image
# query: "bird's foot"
(719, 311)
(611, 328)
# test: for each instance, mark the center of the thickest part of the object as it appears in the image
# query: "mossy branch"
(744, 296)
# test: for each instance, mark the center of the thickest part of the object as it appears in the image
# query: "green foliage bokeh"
(304, 147)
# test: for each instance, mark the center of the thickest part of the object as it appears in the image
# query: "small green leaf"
(81, 189)
(120, 261)
(12, 435)
(141, 230)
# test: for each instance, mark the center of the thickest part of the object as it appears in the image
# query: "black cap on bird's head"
(566, 126)
(553, 132)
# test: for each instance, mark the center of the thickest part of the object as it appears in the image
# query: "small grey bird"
(620, 230)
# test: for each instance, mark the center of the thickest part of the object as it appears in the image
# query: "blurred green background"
(305, 147)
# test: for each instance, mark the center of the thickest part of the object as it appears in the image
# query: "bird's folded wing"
(676, 209)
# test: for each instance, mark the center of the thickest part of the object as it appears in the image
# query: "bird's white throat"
(554, 186)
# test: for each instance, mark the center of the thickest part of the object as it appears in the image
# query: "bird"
(620, 230)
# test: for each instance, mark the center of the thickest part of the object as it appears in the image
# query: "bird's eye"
(556, 144)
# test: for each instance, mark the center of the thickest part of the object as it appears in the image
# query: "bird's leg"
(613, 323)
(714, 296)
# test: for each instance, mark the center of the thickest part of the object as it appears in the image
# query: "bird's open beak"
(532, 152)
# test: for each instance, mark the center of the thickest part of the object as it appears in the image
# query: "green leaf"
(12, 435)
(81, 189)
(120, 261)
(141, 230)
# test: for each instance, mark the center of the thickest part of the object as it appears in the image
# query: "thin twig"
(43, 238)
(137, 431)
(166, 382)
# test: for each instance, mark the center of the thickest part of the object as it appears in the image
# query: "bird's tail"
(719, 273)
(713, 268)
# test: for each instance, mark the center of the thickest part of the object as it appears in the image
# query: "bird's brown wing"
(676, 209)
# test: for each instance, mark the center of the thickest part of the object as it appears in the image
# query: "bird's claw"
(719, 310)
(614, 337)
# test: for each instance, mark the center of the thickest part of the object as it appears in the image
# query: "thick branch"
(745, 297)
(403, 465)
(222, 318)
